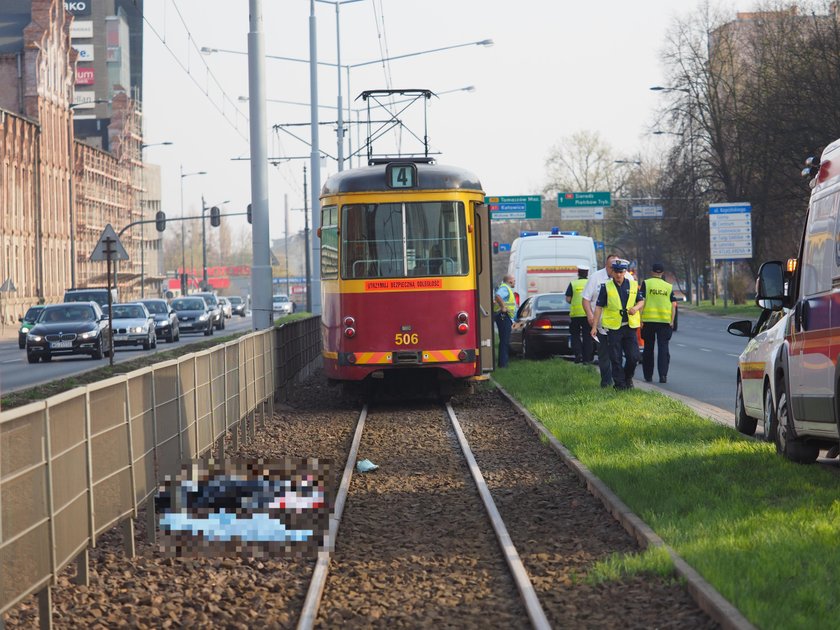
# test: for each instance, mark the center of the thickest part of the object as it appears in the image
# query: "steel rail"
(312, 602)
(523, 583)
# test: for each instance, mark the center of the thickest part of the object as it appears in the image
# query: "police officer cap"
(583, 268)
(620, 265)
(657, 267)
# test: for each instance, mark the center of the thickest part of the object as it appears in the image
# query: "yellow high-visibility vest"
(611, 317)
(510, 302)
(657, 301)
(577, 298)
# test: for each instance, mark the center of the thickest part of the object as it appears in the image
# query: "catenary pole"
(261, 269)
(315, 161)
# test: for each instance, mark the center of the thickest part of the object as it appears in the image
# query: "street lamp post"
(184, 289)
(204, 208)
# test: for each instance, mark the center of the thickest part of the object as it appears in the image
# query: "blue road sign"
(504, 247)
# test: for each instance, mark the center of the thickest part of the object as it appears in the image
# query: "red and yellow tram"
(406, 284)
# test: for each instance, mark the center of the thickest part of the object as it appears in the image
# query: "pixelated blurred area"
(246, 508)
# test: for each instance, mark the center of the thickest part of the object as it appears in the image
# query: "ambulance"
(806, 378)
(546, 262)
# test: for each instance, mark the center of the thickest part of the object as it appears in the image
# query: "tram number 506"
(405, 339)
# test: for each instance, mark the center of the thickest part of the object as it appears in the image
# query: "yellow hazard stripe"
(329, 355)
(373, 358)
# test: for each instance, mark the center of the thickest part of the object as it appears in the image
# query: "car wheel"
(147, 345)
(527, 349)
(770, 423)
(97, 354)
(32, 358)
(46, 358)
(787, 444)
(22, 344)
(743, 422)
(170, 336)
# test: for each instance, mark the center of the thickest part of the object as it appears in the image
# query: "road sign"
(647, 212)
(730, 230)
(514, 208)
(108, 247)
(599, 245)
(8, 286)
(504, 247)
(582, 214)
(584, 199)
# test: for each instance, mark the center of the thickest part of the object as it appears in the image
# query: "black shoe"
(629, 385)
(663, 379)
(648, 380)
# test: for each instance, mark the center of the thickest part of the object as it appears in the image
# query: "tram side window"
(329, 242)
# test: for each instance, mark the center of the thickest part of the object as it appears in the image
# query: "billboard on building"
(85, 51)
(81, 29)
(77, 7)
(85, 76)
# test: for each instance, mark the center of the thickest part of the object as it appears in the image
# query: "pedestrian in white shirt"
(590, 296)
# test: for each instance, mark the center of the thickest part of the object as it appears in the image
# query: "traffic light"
(249, 213)
(160, 220)
(495, 247)
(215, 219)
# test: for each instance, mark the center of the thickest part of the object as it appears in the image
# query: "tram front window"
(396, 240)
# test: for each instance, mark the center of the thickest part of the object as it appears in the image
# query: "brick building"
(52, 208)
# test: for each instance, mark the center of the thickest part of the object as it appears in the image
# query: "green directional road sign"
(584, 199)
(514, 208)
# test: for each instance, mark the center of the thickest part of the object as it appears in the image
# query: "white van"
(807, 381)
(546, 262)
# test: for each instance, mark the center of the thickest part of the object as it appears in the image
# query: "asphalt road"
(704, 360)
(16, 373)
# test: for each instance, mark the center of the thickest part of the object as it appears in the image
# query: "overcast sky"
(556, 67)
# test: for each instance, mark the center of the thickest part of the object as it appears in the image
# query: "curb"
(706, 596)
(716, 414)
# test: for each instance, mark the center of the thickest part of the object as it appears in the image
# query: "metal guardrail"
(74, 465)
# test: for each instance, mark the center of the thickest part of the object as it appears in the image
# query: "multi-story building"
(57, 193)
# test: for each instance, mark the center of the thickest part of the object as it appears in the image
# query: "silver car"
(133, 325)
(282, 305)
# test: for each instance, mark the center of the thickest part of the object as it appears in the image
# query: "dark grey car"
(213, 303)
(166, 320)
(75, 328)
(194, 315)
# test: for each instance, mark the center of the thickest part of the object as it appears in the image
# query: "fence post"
(45, 608)
(82, 569)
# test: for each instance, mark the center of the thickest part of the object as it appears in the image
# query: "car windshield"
(235, 300)
(551, 303)
(128, 311)
(66, 313)
(100, 297)
(158, 308)
(32, 313)
(210, 299)
(281, 298)
(188, 305)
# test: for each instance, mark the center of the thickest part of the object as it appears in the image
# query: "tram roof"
(372, 179)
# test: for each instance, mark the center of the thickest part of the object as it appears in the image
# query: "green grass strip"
(765, 532)
(747, 311)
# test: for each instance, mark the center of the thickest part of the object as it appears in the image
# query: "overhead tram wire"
(382, 40)
(185, 67)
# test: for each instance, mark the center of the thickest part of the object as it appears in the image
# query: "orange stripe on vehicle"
(373, 358)
(440, 356)
(330, 355)
(752, 370)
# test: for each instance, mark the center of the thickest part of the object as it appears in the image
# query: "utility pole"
(261, 288)
(315, 163)
(286, 236)
(306, 239)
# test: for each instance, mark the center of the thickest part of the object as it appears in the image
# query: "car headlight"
(24, 329)
(88, 335)
(161, 324)
(34, 338)
(137, 329)
(203, 318)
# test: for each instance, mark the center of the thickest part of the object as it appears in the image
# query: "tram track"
(506, 549)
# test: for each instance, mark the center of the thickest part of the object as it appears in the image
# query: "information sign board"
(514, 208)
(582, 214)
(730, 230)
(504, 247)
(583, 199)
(647, 212)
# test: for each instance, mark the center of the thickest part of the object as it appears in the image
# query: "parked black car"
(27, 322)
(541, 326)
(73, 328)
(213, 303)
(194, 314)
(237, 305)
(166, 320)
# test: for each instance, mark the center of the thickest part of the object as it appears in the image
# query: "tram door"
(484, 284)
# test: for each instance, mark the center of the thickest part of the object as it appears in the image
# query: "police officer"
(658, 320)
(504, 307)
(590, 296)
(579, 327)
(620, 301)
